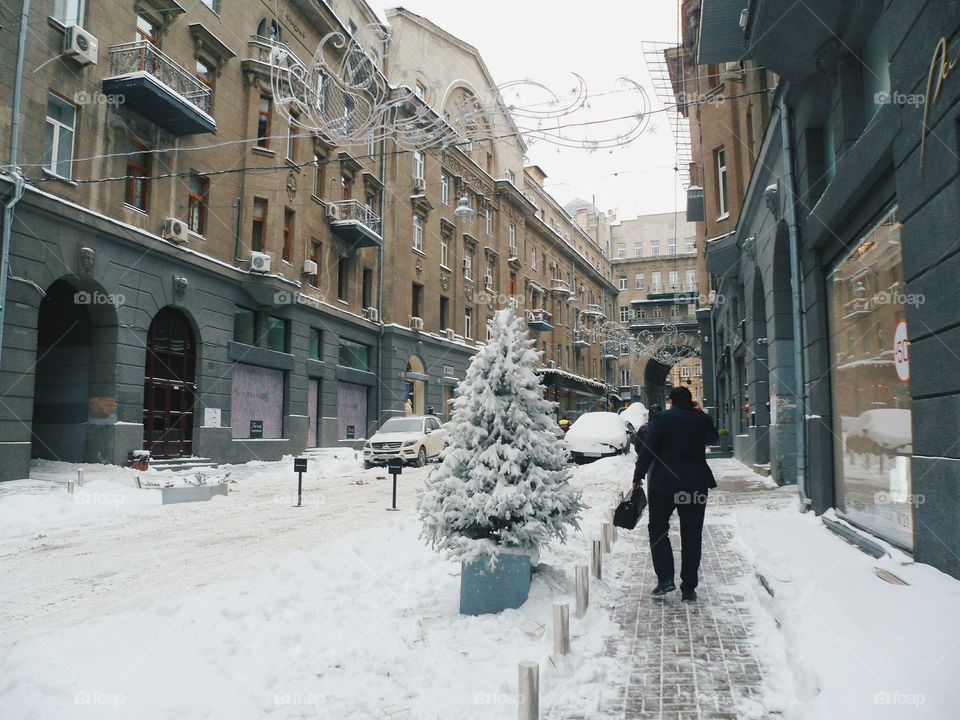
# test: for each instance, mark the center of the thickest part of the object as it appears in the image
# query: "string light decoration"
(350, 102)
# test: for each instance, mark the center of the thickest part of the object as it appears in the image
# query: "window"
(417, 233)
(468, 322)
(621, 251)
(655, 286)
(445, 248)
(371, 145)
(512, 236)
(690, 245)
(638, 249)
(533, 259)
(468, 263)
(684, 371)
(698, 371)
(315, 344)
(69, 12)
(197, 189)
(58, 140)
(691, 279)
(289, 216)
(489, 216)
(511, 176)
(319, 174)
(264, 117)
(641, 314)
(244, 326)
(268, 30)
(276, 334)
(657, 312)
(673, 279)
(316, 252)
(353, 355)
(147, 30)
(292, 130)
(624, 376)
(623, 282)
(366, 288)
(416, 301)
(214, 5)
(444, 312)
(639, 281)
(671, 246)
(654, 248)
(624, 314)
(259, 224)
(343, 278)
(720, 162)
(444, 188)
(138, 171)
(206, 76)
(419, 164)
(490, 272)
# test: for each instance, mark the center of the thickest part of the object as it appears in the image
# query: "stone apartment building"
(655, 270)
(196, 270)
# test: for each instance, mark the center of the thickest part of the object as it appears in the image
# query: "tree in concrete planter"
(503, 485)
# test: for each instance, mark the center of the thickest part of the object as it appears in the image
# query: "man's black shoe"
(663, 588)
(688, 595)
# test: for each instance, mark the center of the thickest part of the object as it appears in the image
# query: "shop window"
(276, 332)
(257, 400)
(315, 344)
(354, 355)
(244, 326)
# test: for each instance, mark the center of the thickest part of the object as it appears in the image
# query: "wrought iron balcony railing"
(357, 222)
(144, 56)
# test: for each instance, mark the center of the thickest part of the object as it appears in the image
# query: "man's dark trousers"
(690, 506)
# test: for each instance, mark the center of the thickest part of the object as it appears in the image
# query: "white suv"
(414, 439)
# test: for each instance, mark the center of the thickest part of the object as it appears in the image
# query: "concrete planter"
(485, 591)
(196, 493)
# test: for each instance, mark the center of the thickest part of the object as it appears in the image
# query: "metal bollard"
(605, 536)
(597, 560)
(613, 527)
(561, 629)
(70, 486)
(79, 477)
(529, 691)
(583, 590)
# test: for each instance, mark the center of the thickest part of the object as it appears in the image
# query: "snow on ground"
(246, 607)
(839, 641)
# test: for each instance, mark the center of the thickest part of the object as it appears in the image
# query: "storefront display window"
(870, 385)
(256, 402)
(354, 355)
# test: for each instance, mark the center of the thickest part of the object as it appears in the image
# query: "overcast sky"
(546, 41)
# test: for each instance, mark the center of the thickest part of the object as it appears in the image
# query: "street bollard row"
(529, 672)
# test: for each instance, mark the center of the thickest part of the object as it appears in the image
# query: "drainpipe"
(13, 173)
(797, 299)
(383, 229)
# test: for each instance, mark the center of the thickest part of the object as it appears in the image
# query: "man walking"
(673, 450)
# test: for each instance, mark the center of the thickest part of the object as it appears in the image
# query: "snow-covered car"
(634, 416)
(595, 435)
(414, 439)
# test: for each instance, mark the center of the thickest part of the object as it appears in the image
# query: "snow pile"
(504, 478)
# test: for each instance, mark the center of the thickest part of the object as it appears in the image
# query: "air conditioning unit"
(309, 267)
(371, 314)
(80, 45)
(416, 323)
(332, 213)
(419, 185)
(450, 334)
(175, 229)
(488, 280)
(259, 262)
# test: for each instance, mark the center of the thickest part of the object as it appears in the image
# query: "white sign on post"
(901, 351)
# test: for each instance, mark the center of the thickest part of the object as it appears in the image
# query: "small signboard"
(256, 429)
(901, 351)
(299, 465)
(395, 466)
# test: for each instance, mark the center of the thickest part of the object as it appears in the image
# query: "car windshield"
(399, 425)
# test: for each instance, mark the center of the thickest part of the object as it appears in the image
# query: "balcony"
(539, 319)
(159, 89)
(356, 223)
(581, 339)
(513, 258)
(560, 287)
(594, 310)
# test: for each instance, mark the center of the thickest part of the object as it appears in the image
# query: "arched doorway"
(659, 375)
(62, 379)
(169, 386)
(415, 386)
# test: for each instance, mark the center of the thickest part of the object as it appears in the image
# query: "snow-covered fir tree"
(504, 480)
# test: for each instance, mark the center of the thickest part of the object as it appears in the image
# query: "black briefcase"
(628, 512)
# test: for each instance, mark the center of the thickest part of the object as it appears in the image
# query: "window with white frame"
(419, 164)
(468, 263)
(512, 236)
(657, 312)
(641, 314)
(69, 12)
(638, 249)
(655, 285)
(654, 248)
(417, 232)
(691, 279)
(720, 162)
(533, 259)
(212, 4)
(673, 279)
(684, 371)
(444, 188)
(624, 376)
(623, 282)
(445, 249)
(511, 176)
(58, 139)
(698, 370)
(690, 245)
(639, 281)
(621, 251)
(671, 246)
(624, 314)
(488, 212)
(468, 322)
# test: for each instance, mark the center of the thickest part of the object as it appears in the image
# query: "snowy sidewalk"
(690, 661)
